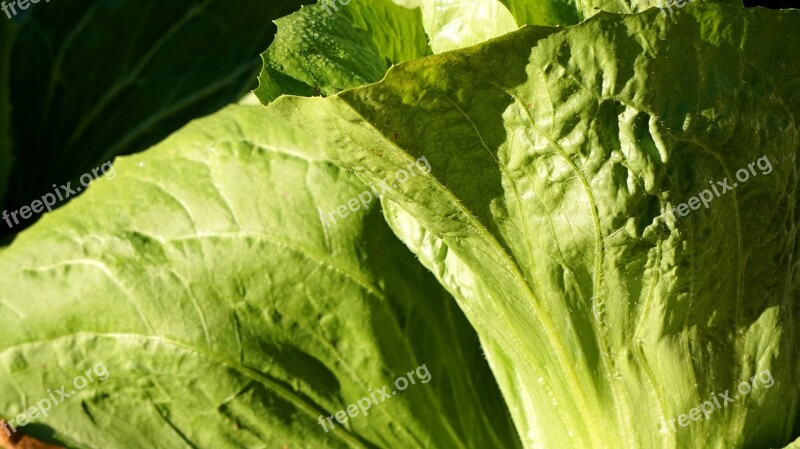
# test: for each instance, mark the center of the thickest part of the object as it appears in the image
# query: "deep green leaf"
(324, 50)
(92, 79)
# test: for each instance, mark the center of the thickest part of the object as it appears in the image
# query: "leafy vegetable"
(241, 284)
(185, 276)
(317, 51)
(602, 317)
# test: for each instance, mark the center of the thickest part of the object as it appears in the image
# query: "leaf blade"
(239, 317)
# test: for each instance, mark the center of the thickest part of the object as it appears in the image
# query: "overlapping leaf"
(458, 24)
(553, 154)
(571, 12)
(229, 315)
(326, 48)
(330, 47)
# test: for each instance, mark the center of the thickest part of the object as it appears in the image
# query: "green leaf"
(452, 25)
(229, 314)
(326, 48)
(570, 12)
(552, 154)
(95, 79)
(329, 47)
(458, 24)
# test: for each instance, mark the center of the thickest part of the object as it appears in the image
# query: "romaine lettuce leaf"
(322, 50)
(553, 154)
(454, 24)
(328, 47)
(229, 315)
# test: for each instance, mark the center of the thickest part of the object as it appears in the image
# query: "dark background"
(775, 4)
